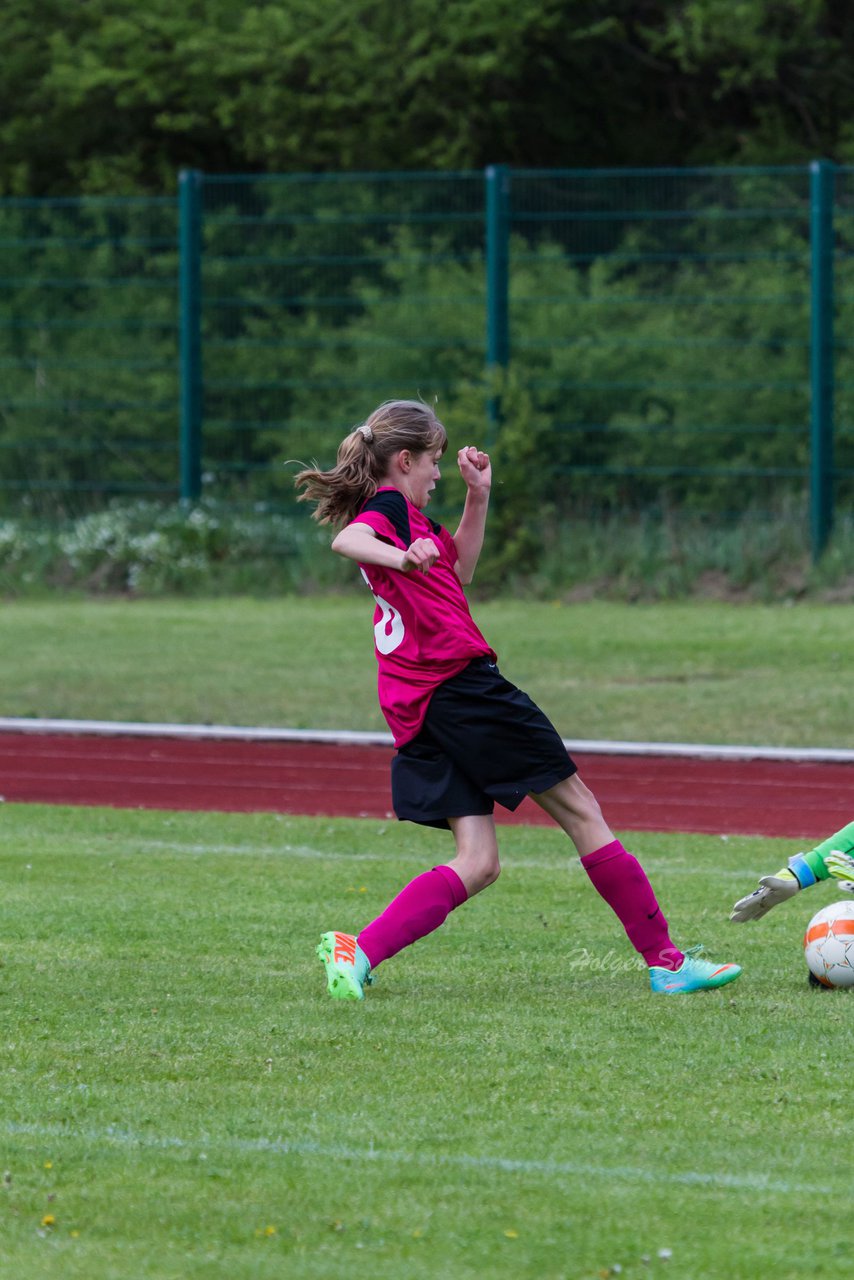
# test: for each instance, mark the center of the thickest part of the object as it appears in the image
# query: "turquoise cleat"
(347, 969)
(693, 974)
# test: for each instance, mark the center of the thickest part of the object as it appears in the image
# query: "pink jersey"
(423, 629)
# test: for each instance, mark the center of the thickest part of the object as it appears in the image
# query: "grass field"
(695, 672)
(180, 1098)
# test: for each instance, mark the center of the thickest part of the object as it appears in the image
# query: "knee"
(573, 806)
(579, 801)
(490, 872)
(476, 862)
(478, 871)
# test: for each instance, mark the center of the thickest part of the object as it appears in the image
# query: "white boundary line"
(565, 863)
(306, 1148)
(353, 738)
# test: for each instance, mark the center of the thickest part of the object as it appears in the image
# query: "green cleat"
(693, 974)
(347, 969)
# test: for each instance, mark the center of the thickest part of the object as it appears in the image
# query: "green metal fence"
(666, 318)
(88, 326)
(321, 297)
(624, 339)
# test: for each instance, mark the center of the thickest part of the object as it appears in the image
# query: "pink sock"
(417, 910)
(622, 882)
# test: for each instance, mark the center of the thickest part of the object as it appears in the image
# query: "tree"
(119, 96)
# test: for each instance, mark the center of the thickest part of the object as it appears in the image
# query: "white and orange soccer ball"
(829, 945)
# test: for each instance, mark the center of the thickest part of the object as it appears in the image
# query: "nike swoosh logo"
(654, 914)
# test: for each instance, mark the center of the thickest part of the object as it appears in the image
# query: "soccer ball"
(829, 945)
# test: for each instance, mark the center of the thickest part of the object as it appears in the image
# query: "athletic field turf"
(181, 1099)
(691, 672)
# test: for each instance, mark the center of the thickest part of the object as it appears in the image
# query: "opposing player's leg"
(621, 880)
(834, 857)
(418, 910)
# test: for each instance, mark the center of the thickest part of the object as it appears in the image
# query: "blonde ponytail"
(364, 456)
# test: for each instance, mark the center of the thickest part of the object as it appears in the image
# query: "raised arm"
(359, 542)
(476, 470)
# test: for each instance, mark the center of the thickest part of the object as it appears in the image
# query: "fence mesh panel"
(322, 297)
(843, 295)
(660, 320)
(88, 350)
(658, 325)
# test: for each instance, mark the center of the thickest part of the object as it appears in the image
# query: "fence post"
(821, 353)
(190, 249)
(497, 178)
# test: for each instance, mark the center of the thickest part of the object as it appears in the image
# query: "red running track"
(640, 793)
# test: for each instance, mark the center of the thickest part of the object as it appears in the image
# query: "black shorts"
(482, 740)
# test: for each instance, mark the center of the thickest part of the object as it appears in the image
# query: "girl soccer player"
(465, 736)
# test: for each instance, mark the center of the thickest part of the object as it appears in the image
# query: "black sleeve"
(392, 505)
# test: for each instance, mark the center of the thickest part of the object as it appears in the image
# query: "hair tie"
(366, 432)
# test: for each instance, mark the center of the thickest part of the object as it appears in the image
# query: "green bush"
(659, 362)
(148, 550)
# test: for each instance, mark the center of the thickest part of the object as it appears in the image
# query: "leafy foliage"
(118, 96)
(147, 550)
(144, 548)
(659, 332)
(88, 347)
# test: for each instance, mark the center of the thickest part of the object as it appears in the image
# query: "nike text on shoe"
(693, 974)
(347, 969)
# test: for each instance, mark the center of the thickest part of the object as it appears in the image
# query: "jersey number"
(389, 630)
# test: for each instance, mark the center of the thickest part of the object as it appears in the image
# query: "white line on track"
(755, 1181)
(347, 737)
